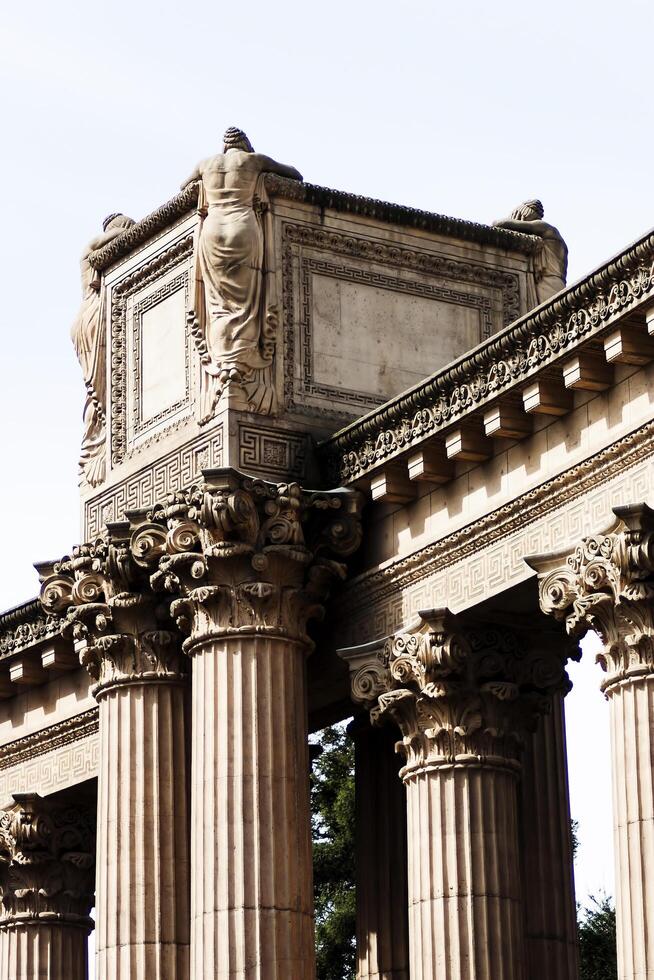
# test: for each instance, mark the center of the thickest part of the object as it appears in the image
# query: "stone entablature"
(532, 367)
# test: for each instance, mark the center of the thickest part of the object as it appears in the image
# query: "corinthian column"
(142, 887)
(462, 703)
(607, 584)
(46, 884)
(548, 875)
(381, 854)
(246, 560)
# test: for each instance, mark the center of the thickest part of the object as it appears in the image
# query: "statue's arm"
(196, 175)
(100, 240)
(526, 227)
(270, 166)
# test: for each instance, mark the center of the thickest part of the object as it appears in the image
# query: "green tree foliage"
(597, 944)
(332, 805)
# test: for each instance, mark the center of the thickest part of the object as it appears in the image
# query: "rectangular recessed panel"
(163, 355)
(373, 340)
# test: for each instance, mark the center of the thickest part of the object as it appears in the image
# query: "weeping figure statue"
(231, 327)
(89, 340)
(551, 260)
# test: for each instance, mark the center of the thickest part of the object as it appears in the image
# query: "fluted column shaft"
(632, 746)
(381, 852)
(465, 914)
(548, 875)
(252, 902)
(142, 863)
(42, 950)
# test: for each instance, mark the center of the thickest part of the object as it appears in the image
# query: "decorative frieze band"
(121, 292)
(176, 470)
(48, 739)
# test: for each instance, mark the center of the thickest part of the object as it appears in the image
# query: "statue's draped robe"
(550, 265)
(89, 339)
(229, 273)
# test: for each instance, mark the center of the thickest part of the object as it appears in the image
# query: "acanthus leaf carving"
(47, 858)
(606, 584)
(459, 693)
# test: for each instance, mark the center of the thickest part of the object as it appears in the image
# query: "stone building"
(339, 457)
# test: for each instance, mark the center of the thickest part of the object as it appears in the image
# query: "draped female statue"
(551, 262)
(229, 314)
(89, 339)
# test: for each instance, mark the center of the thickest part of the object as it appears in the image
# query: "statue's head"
(235, 139)
(117, 220)
(529, 211)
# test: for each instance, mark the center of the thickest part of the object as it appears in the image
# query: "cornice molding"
(322, 197)
(378, 584)
(141, 232)
(49, 739)
(508, 359)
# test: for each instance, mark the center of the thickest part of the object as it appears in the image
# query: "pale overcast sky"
(465, 109)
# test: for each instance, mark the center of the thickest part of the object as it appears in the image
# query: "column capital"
(606, 584)
(243, 556)
(47, 862)
(231, 555)
(458, 693)
(122, 631)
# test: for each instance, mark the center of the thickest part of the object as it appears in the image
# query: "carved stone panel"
(152, 360)
(365, 320)
(273, 452)
(161, 378)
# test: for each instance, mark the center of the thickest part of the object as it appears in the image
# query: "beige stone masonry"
(249, 563)
(135, 662)
(143, 871)
(241, 565)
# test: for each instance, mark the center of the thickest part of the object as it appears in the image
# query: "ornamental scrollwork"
(606, 584)
(231, 554)
(459, 692)
(47, 861)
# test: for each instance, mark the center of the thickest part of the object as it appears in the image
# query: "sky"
(465, 109)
